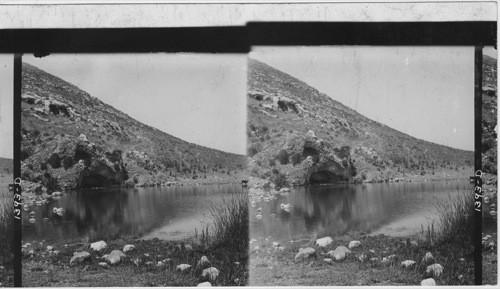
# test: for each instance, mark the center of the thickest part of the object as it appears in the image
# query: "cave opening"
(95, 180)
(323, 177)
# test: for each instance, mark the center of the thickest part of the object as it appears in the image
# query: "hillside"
(489, 143)
(299, 136)
(71, 139)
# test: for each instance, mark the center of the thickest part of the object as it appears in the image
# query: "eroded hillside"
(71, 139)
(298, 136)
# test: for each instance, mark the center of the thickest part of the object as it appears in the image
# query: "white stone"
(183, 267)
(354, 244)
(305, 253)
(114, 257)
(258, 216)
(79, 257)
(428, 282)
(212, 273)
(435, 269)
(50, 248)
(323, 242)
(428, 257)
(128, 248)
(328, 260)
(104, 264)
(98, 246)
(203, 261)
(408, 263)
(339, 254)
(205, 284)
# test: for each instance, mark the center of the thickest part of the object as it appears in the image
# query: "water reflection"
(389, 208)
(111, 213)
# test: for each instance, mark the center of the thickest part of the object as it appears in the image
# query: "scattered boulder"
(305, 253)
(32, 220)
(188, 247)
(79, 257)
(311, 134)
(339, 253)
(408, 263)
(435, 269)
(362, 258)
(56, 194)
(104, 264)
(114, 257)
(203, 262)
(354, 244)
(83, 137)
(50, 248)
(258, 216)
(205, 284)
(183, 267)
(212, 273)
(284, 190)
(414, 244)
(428, 282)
(98, 246)
(128, 248)
(328, 261)
(428, 257)
(323, 242)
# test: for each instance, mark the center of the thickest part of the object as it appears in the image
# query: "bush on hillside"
(54, 161)
(283, 157)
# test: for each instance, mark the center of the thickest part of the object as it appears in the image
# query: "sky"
(200, 98)
(426, 92)
(6, 106)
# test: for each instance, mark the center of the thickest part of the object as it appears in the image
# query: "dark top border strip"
(182, 39)
(374, 33)
(240, 39)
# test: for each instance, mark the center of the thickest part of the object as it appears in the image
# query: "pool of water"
(171, 213)
(395, 209)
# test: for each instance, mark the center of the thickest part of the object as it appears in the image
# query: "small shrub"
(43, 166)
(67, 162)
(54, 161)
(252, 151)
(283, 157)
(272, 162)
(296, 158)
(280, 181)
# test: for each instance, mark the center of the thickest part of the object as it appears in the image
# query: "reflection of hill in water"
(343, 209)
(109, 214)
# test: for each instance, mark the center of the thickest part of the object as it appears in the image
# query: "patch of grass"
(453, 240)
(226, 238)
(6, 238)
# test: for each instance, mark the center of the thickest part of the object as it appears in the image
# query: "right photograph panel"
(359, 163)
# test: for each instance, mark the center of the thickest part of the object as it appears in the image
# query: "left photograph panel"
(6, 170)
(132, 168)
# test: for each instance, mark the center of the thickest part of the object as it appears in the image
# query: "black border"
(17, 236)
(239, 39)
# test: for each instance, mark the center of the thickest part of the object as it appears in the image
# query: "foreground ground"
(273, 265)
(6, 216)
(490, 257)
(151, 263)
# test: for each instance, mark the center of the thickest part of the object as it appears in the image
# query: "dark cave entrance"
(308, 151)
(323, 177)
(95, 180)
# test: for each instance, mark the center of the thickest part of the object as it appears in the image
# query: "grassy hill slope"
(298, 136)
(71, 139)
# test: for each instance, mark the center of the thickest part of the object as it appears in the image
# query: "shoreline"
(377, 261)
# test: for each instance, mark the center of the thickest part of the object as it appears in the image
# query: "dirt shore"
(272, 265)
